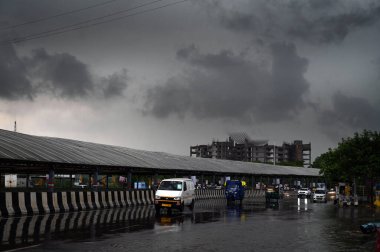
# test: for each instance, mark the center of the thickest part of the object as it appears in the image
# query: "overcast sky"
(164, 75)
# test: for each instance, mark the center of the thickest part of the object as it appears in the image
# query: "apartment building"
(240, 147)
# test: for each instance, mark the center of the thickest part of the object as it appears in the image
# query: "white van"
(320, 195)
(175, 193)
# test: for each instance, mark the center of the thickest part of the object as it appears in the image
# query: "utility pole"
(15, 127)
(274, 153)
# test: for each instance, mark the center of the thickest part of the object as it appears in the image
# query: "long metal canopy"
(18, 148)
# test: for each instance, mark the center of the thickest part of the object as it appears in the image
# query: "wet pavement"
(211, 226)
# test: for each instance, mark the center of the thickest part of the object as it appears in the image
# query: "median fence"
(28, 203)
(219, 194)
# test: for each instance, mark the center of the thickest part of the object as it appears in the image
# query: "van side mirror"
(184, 186)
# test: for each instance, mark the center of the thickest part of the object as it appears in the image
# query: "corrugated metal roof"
(23, 147)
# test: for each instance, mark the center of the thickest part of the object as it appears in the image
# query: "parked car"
(304, 192)
(320, 195)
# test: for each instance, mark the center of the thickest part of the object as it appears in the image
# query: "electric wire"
(80, 25)
(56, 15)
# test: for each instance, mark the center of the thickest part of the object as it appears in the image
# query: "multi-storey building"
(240, 147)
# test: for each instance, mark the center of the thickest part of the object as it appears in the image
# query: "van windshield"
(170, 185)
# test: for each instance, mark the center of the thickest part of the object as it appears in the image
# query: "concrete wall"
(28, 203)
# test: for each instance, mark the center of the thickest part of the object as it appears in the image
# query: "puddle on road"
(92, 226)
(207, 211)
(25, 231)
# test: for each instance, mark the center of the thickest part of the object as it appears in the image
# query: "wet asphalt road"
(212, 226)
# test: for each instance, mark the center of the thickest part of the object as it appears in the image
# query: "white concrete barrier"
(73, 201)
(102, 199)
(128, 197)
(122, 199)
(23, 203)
(45, 204)
(81, 200)
(33, 202)
(116, 199)
(109, 199)
(8, 203)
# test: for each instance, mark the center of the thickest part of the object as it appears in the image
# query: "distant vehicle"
(274, 192)
(272, 196)
(81, 186)
(331, 194)
(321, 186)
(175, 193)
(234, 190)
(304, 192)
(320, 195)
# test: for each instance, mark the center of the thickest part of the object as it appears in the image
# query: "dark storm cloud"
(225, 85)
(287, 74)
(312, 21)
(376, 62)
(115, 84)
(13, 81)
(322, 4)
(58, 74)
(61, 73)
(352, 113)
(172, 98)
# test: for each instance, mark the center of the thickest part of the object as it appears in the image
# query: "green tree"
(355, 157)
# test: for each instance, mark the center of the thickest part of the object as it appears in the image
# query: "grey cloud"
(376, 62)
(14, 83)
(349, 113)
(173, 98)
(224, 59)
(115, 84)
(290, 86)
(225, 85)
(60, 74)
(335, 28)
(312, 21)
(322, 4)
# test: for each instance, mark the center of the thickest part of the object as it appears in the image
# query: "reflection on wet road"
(212, 226)
(76, 226)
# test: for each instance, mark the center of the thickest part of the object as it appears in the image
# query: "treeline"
(356, 157)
